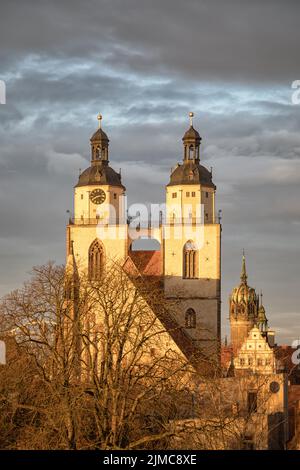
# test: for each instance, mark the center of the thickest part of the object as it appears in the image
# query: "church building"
(188, 263)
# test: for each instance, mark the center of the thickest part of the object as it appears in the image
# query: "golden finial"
(191, 118)
(99, 117)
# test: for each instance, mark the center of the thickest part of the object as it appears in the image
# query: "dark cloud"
(145, 65)
(232, 40)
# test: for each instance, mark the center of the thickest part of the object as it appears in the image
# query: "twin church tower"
(188, 263)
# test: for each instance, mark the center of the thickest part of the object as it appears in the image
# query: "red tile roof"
(149, 263)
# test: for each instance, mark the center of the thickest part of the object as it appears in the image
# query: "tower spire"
(262, 320)
(99, 145)
(191, 114)
(191, 143)
(244, 272)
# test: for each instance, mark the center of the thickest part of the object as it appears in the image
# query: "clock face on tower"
(97, 196)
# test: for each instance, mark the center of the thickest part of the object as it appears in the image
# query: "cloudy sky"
(145, 65)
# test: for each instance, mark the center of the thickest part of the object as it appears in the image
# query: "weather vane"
(99, 117)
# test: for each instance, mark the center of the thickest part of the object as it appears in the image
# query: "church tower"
(98, 230)
(244, 310)
(192, 247)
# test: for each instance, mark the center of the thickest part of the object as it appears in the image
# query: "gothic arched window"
(96, 260)
(190, 318)
(190, 260)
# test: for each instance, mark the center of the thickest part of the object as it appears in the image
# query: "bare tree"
(103, 365)
(100, 357)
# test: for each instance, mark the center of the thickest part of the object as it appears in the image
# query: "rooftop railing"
(150, 223)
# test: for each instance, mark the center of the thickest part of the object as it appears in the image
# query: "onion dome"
(98, 175)
(191, 135)
(243, 299)
(191, 173)
(243, 293)
(99, 135)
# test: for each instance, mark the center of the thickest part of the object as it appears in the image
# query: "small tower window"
(187, 194)
(190, 260)
(190, 318)
(191, 152)
(96, 261)
(81, 196)
(206, 194)
(174, 195)
(98, 153)
(193, 194)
